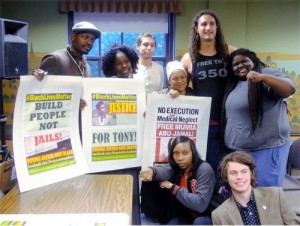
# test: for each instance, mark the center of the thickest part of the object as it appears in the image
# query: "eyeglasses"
(235, 173)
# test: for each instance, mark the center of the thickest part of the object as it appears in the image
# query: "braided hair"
(255, 89)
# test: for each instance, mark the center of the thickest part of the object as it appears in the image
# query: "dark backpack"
(216, 200)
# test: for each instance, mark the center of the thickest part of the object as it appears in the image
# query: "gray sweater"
(275, 129)
(204, 186)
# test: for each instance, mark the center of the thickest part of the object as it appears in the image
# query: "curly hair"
(108, 59)
(241, 157)
(195, 43)
(255, 91)
(182, 139)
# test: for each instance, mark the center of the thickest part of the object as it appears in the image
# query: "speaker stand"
(4, 152)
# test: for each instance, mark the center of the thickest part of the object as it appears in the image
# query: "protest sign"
(112, 123)
(80, 219)
(46, 140)
(168, 117)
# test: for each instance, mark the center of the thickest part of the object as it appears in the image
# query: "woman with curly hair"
(120, 62)
(205, 63)
(255, 114)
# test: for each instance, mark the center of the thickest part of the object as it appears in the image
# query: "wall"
(47, 28)
(184, 22)
(261, 25)
(269, 27)
(272, 25)
(47, 32)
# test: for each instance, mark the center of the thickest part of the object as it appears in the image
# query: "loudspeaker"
(13, 48)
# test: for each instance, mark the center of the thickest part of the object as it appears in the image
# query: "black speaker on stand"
(13, 63)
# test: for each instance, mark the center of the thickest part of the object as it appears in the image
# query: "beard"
(82, 49)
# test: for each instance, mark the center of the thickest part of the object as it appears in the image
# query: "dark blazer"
(271, 206)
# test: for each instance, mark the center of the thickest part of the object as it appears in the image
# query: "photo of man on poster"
(101, 118)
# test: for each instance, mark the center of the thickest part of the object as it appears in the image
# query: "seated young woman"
(189, 180)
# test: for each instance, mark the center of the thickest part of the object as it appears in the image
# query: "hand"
(82, 104)
(166, 184)
(39, 74)
(174, 93)
(254, 76)
(146, 174)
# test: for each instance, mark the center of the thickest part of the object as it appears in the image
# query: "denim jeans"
(271, 165)
(198, 221)
(215, 149)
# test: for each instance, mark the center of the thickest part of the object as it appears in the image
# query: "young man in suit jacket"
(249, 205)
(102, 118)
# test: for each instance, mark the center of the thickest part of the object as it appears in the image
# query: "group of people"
(120, 61)
(248, 139)
(249, 132)
(190, 182)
